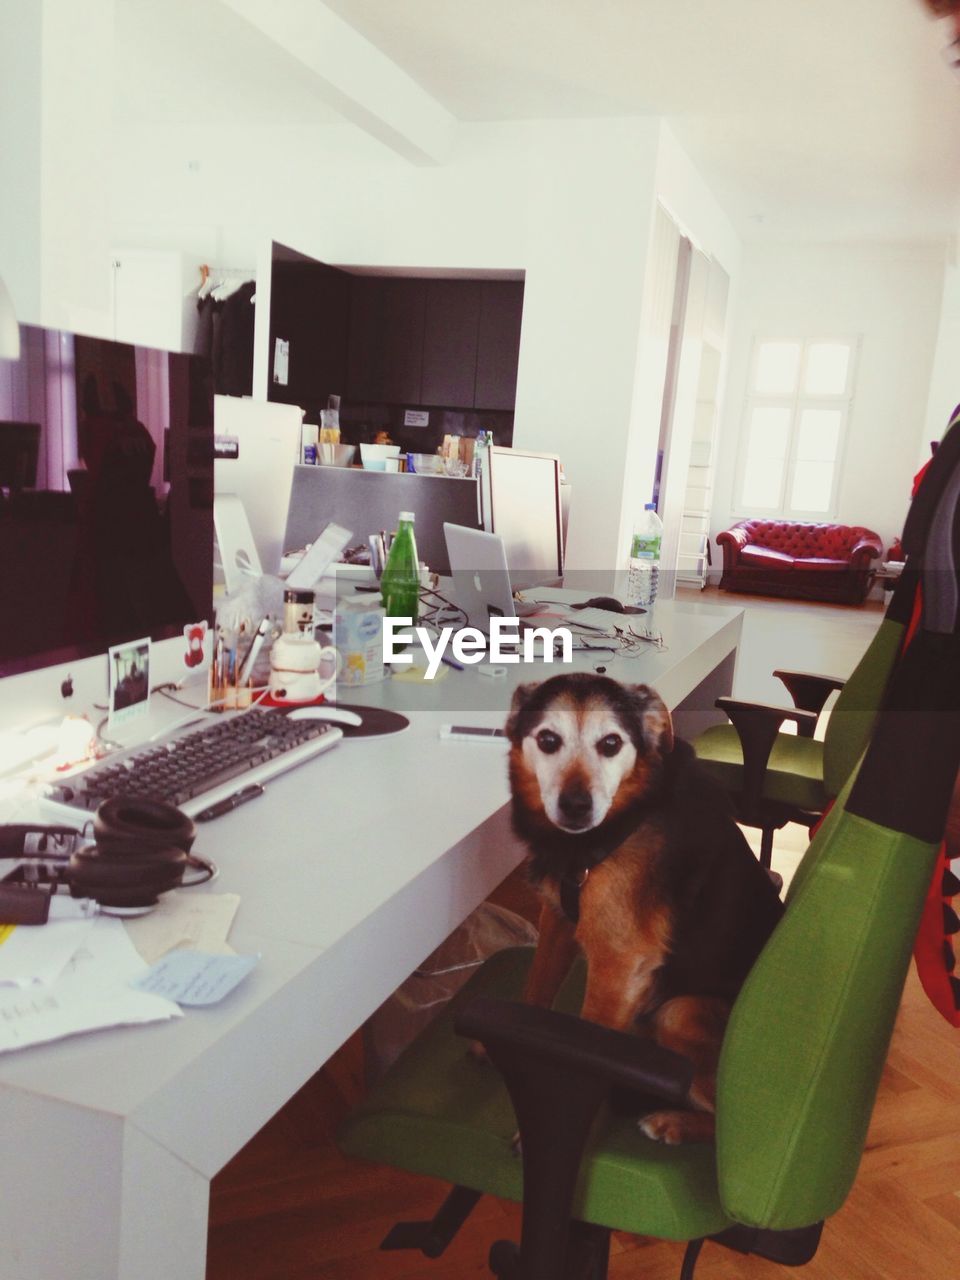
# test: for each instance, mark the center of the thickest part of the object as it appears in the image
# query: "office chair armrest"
(809, 692)
(757, 725)
(558, 1069)
(616, 1058)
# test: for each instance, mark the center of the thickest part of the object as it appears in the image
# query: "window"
(798, 404)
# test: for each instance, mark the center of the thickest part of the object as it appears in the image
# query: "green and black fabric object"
(801, 1059)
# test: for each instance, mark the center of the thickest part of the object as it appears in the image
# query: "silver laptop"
(481, 579)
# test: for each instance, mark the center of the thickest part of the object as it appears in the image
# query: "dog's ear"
(521, 696)
(653, 716)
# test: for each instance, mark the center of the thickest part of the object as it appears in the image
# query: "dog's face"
(584, 747)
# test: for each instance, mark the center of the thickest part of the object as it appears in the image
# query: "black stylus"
(231, 802)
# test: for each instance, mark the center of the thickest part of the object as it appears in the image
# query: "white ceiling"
(812, 119)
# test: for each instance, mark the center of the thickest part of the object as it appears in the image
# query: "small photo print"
(129, 680)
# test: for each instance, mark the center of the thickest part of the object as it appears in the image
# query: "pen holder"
(225, 693)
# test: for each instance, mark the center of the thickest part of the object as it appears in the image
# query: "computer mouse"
(609, 603)
(336, 715)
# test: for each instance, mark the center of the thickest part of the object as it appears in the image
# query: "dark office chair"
(775, 777)
(802, 1055)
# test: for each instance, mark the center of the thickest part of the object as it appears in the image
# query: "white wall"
(78, 166)
(891, 297)
(945, 381)
(20, 73)
(567, 202)
(138, 155)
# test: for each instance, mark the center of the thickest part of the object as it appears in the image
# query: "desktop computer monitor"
(521, 503)
(113, 540)
(258, 447)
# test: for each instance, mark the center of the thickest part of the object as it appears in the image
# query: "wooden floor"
(290, 1207)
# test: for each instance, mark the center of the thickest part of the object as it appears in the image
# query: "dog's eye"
(610, 745)
(548, 741)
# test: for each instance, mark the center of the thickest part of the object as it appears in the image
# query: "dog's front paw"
(674, 1127)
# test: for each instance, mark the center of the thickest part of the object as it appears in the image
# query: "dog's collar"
(570, 894)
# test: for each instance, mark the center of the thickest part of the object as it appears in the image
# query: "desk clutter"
(76, 976)
(84, 970)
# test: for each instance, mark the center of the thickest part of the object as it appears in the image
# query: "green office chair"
(774, 777)
(801, 1058)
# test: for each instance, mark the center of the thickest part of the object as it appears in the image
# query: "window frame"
(796, 402)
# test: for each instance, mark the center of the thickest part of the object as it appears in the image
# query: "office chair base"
(791, 1248)
(690, 1256)
(587, 1255)
(432, 1238)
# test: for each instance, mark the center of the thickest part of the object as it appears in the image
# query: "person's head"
(946, 9)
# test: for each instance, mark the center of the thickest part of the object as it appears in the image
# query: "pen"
(451, 662)
(231, 802)
(246, 670)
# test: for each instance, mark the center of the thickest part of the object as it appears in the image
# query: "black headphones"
(141, 849)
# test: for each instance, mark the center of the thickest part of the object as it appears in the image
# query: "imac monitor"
(113, 540)
(263, 440)
(521, 503)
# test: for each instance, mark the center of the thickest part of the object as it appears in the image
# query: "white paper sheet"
(91, 994)
(200, 921)
(32, 953)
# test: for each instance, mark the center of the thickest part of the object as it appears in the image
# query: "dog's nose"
(576, 805)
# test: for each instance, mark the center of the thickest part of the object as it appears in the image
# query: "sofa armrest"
(757, 725)
(809, 692)
(732, 541)
(862, 552)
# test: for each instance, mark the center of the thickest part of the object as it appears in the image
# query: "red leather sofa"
(809, 561)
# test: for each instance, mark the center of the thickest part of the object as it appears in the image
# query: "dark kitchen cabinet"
(498, 344)
(404, 303)
(385, 350)
(450, 332)
(449, 344)
(308, 309)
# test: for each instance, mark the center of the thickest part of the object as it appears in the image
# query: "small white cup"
(295, 662)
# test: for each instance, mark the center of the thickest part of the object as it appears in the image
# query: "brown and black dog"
(640, 864)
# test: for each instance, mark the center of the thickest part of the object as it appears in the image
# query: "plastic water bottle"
(482, 443)
(644, 571)
(400, 580)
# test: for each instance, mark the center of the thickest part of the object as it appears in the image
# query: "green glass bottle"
(400, 580)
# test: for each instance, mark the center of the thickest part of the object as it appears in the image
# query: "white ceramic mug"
(295, 662)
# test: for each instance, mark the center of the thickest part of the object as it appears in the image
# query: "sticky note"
(194, 977)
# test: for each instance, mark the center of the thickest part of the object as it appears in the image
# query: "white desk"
(350, 871)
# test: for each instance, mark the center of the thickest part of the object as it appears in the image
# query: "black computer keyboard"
(198, 768)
